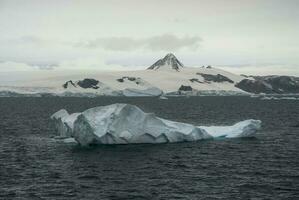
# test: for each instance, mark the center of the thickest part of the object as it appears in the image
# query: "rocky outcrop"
(215, 78)
(195, 80)
(282, 84)
(129, 78)
(88, 83)
(185, 88)
(85, 83)
(254, 86)
(270, 84)
(70, 82)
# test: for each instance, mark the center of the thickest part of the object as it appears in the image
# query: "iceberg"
(125, 123)
(163, 97)
(279, 98)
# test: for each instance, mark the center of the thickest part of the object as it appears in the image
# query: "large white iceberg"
(125, 123)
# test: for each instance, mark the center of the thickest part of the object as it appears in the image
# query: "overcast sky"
(244, 36)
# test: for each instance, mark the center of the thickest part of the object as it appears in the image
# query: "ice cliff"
(64, 123)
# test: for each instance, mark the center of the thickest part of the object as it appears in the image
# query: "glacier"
(125, 124)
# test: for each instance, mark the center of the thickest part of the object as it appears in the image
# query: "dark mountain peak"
(169, 56)
(168, 62)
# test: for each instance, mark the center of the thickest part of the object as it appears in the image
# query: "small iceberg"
(163, 97)
(279, 98)
(126, 124)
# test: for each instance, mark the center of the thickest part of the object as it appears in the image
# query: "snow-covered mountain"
(168, 76)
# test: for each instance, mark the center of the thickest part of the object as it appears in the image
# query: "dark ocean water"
(35, 166)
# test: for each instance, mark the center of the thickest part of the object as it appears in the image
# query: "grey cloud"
(112, 43)
(167, 42)
(36, 65)
(25, 40)
(43, 66)
(171, 42)
(31, 39)
(36, 41)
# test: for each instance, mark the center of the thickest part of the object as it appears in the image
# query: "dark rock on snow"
(88, 83)
(195, 80)
(215, 78)
(254, 86)
(185, 88)
(67, 84)
(270, 84)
